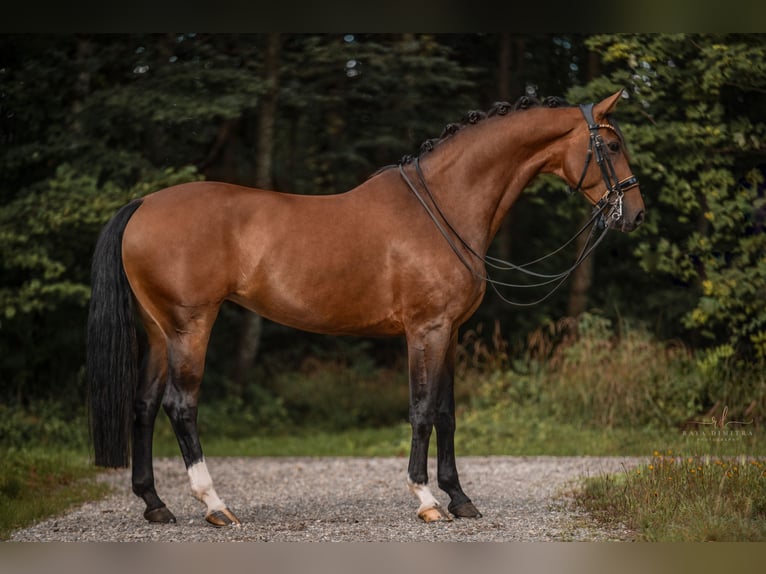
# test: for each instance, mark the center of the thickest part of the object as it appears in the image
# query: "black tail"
(112, 363)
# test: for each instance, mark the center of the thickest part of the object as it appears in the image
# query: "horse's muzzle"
(628, 224)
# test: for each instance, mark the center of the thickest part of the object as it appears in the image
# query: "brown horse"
(401, 254)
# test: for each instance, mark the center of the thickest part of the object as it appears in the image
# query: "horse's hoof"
(465, 510)
(161, 515)
(223, 517)
(434, 514)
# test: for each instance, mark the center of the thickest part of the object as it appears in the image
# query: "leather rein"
(610, 202)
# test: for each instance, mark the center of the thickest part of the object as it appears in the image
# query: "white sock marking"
(424, 495)
(202, 487)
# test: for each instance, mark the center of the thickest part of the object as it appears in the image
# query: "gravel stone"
(301, 499)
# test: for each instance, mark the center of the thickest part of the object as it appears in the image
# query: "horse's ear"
(605, 106)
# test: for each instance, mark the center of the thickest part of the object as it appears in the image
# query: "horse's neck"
(477, 181)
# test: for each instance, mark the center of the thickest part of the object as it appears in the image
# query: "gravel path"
(346, 499)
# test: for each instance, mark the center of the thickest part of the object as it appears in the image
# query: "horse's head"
(596, 164)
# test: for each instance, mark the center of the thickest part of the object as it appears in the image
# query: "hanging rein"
(610, 202)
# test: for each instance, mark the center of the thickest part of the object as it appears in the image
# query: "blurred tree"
(252, 324)
(353, 103)
(696, 122)
(88, 122)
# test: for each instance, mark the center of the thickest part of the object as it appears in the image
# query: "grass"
(36, 483)
(684, 498)
(516, 430)
(386, 441)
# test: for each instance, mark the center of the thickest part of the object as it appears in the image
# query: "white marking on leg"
(202, 487)
(424, 495)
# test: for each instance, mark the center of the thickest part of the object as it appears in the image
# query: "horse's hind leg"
(147, 404)
(186, 354)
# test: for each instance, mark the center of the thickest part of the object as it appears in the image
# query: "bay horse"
(401, 254)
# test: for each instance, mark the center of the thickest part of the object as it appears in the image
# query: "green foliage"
(595, 375)
(624, 379)
(44, 229)
(334, 397)
(46, 237)
(353, 104)
(43, 424)
(695, 122)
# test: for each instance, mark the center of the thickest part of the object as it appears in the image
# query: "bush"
(42, 424)
(622, 378)
(599, 375)
(334, 396)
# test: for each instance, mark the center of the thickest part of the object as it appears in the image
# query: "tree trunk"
(504, 78)
(82, 85)
(252, 324)
(582, 277)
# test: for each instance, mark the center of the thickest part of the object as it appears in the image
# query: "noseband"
(614, 187)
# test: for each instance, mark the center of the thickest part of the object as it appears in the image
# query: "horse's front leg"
(426, 361)
(460, 505)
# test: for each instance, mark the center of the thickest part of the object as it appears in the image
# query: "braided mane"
(475, 116)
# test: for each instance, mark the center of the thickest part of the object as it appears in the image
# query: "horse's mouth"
(626, 225)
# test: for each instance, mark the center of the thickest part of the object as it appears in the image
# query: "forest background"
(660, 328)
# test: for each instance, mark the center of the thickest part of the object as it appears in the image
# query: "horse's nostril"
(639, 218)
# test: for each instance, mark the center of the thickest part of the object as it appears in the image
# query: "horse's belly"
(323, 302)
(332, 318)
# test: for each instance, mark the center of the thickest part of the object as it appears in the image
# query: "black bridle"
(611, 201)
(614, 187)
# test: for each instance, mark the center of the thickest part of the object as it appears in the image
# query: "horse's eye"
(614, 146)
